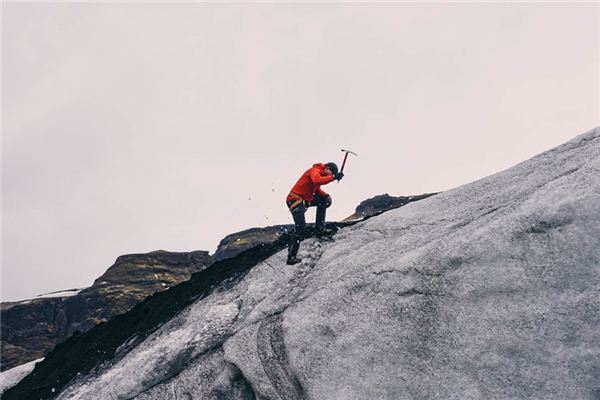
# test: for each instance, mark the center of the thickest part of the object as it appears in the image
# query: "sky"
(133, 127)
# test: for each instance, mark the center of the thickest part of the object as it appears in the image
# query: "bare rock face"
(384, 202)
(233, 244)
(33, 327)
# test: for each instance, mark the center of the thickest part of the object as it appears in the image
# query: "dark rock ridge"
(233, 244)
(33, 327)
(384, 202)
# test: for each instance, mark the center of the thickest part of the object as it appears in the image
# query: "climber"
(307, 192)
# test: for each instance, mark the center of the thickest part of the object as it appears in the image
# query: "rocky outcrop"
(33, 327)
(383, 202)
(233, 244)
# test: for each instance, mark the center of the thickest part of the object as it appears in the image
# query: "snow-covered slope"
(490, 290)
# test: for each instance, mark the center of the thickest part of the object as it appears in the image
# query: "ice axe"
(346, 157)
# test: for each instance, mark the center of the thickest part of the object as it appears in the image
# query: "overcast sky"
(128, 128)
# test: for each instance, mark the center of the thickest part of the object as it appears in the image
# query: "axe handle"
(344, 163)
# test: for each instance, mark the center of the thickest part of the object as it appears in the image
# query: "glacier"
(489, 290)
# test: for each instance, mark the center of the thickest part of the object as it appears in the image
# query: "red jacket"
(310, 183)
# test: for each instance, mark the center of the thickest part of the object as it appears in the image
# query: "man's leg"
(298, 234)
(322, 204)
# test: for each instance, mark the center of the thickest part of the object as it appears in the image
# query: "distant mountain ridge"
(32, 327)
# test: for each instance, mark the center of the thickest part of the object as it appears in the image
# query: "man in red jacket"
(307, 192)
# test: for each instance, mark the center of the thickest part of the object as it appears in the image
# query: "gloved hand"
(338, 176)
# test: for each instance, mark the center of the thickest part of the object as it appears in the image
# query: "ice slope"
(490, 290)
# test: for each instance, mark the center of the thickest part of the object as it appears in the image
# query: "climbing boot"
(324, 234)
(293, 260)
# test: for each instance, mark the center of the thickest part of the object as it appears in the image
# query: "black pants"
(300, 221)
